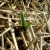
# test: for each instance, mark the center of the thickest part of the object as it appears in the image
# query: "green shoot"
(22, 20)
(28, 25)
(23, 23)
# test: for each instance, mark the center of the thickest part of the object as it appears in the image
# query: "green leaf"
(22, 20)
(28, 24)
(24, 25)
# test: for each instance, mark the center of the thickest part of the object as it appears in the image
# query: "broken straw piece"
(48, 23)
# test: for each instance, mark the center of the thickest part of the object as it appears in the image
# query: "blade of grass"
(28, 25)
(22, 20)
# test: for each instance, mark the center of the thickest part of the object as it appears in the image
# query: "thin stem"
(24, 40)
(11, 47)
(32, 42)
(30, 38)
(2, 42)
(9, 42)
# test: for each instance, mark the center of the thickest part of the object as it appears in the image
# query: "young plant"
(24, 25)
